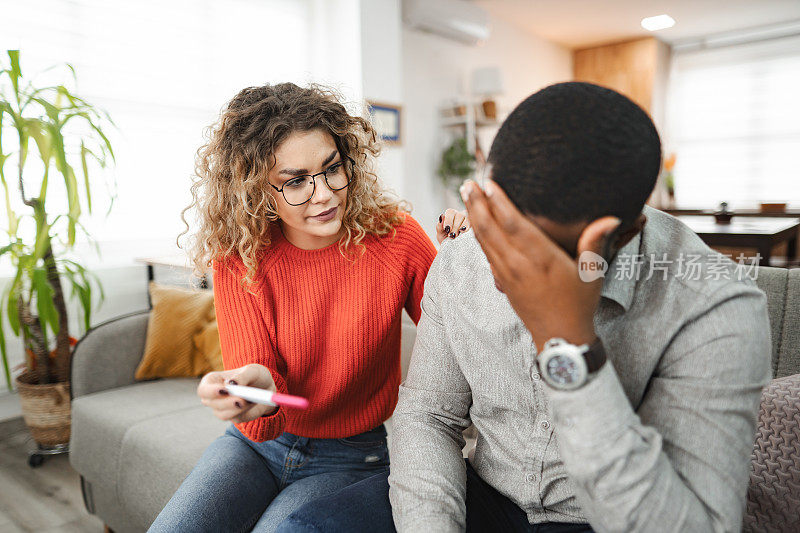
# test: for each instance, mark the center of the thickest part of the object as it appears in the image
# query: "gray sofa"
(133, 443)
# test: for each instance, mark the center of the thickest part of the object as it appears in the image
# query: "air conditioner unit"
(455, 19)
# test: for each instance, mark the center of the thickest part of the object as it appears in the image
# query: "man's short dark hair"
(577, 151)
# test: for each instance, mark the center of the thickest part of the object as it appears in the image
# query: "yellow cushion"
(207, 342)
(177, 316)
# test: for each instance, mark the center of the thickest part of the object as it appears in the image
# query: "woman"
(313, 265)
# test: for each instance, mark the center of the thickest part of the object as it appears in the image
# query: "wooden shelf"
(450, 122)
(471, 121)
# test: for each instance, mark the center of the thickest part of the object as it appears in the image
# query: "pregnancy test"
(263, 396)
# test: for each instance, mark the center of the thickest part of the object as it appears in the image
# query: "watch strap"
(595, 356)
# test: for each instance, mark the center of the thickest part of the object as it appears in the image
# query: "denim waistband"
(292, 438)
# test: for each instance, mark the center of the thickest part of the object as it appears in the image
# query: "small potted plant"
(456, 165)
(65, 132)
(669, 179)
(723, 215)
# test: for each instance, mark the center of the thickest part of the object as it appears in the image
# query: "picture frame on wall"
(386, 119)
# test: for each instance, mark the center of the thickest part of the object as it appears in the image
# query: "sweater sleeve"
(244, 335)
(418, 251)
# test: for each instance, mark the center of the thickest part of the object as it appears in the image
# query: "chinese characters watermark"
(713, 266)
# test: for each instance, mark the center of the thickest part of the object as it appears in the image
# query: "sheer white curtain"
(734, 123)
(162, 69)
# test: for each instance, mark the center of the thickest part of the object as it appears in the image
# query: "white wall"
(436, 70)
(335, 52)
(382, 74)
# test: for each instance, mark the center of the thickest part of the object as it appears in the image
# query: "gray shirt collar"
(618, 285)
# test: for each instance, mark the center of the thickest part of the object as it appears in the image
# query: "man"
(623, 402)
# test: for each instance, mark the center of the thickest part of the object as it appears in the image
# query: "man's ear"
(595, 235)
(632, 231)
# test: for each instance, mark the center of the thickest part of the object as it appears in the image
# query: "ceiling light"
(659, 22)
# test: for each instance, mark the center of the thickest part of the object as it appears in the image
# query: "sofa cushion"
(158, 454)
(101, 420)
(773, 281)
(789, 357)
(178, 315)
(207, 343)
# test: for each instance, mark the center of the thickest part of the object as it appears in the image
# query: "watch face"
(562, 370)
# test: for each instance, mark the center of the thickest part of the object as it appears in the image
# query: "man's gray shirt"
(659, 440)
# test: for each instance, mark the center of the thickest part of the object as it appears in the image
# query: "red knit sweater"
(328, 328)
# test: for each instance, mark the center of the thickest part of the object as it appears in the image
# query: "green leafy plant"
(67, 132)
(457, 163)
(669, 177)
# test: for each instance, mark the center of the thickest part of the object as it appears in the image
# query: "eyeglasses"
(301, 189)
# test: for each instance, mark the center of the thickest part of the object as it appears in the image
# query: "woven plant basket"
(46, 409)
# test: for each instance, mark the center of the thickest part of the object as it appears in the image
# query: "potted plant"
(457, 164)
(66, 133)
(669, 179)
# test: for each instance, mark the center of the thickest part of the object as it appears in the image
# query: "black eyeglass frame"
(324, 173)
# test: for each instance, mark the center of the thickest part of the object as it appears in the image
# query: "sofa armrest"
(107, 356)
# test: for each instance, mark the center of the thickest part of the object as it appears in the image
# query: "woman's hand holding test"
(225, 406)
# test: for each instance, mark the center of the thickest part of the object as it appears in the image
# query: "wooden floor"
(44, 499)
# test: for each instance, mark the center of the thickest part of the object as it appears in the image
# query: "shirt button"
(545, 424)
(530, 478)
(447, 407)
(536, 376)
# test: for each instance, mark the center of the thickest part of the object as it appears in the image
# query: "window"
(734, 123)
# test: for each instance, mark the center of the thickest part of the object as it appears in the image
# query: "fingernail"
(238, 404)
(232, 382)
(463, 228)
(223, 392)
(489, 188)
(465, 190)
(441, 217)
(452, 235)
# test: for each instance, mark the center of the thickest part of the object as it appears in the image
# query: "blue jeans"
(240, 485)
(364, 507)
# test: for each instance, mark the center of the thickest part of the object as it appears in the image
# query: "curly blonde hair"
(234, 204)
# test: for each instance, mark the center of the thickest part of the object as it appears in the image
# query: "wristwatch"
(565, 366)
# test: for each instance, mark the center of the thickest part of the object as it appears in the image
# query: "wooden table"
(788, 213)
(761, 233)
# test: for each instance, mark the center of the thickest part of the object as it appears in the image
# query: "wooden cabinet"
(638, 69)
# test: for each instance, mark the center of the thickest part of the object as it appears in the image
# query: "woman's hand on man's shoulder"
(451, 224)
